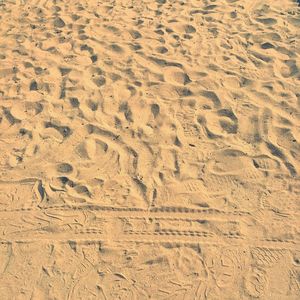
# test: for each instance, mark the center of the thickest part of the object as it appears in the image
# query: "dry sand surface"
(149, 149)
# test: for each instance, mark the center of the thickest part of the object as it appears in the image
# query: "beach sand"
(149, 149)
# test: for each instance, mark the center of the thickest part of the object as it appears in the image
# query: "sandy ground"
(149, 149)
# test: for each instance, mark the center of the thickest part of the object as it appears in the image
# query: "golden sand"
(149, 149)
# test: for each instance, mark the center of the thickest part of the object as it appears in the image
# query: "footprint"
(183, 91)
(294, 21)
(6, 251)
(266, 163)
(116, 48)
(189, 29)
(135, 34)
(94, 58)
(230, 124)
(91, 148)
(59, 23)
(75, 17)
(162, 50)
(126, 110)
(232, 162)
(10, 118)
(92, 104)
(64, 168)
(82, 190)
(113, 29)
(100, 81)
(176, 76)
(164, 63)
(267, 21)
(213, 97)
(276, 151)
(64, 71)
(261, 57)
(155, 109)
(33, 86)
(255, 282)
(210, 7)
(65, 131)
(267, 45)
(18, 112)
(74, 102)
(85, 47)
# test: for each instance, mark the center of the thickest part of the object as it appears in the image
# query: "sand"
(149, 149)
